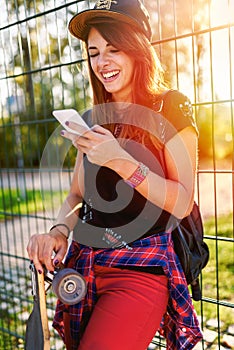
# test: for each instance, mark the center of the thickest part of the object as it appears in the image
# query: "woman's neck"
(126, 98)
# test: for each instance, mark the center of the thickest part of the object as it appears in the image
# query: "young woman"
(133, 178)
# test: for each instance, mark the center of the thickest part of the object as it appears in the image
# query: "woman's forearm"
(68, 214)
(167, 194)
(173, 193)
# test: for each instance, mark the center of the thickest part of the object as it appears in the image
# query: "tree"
(39, 60)
(172, 23)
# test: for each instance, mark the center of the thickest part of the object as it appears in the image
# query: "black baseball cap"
(132, 12)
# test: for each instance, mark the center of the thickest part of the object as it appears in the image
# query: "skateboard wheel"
(69, 286)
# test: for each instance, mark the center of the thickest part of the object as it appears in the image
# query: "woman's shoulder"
(177, 101)
(177, 109)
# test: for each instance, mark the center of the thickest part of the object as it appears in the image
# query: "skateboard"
(70, 288)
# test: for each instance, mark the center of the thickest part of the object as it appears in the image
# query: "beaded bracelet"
(64, 225)
(138, 176)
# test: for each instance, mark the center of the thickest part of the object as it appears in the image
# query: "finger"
(80, 129)
(32, 247)
(45, 254)
(38, 265)
(58, 258)
(68, 135)
(99, 129)
(74, 138)
(32, 250)
(82, 144)
(40, 250)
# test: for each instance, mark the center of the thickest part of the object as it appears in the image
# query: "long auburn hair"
(148, 79)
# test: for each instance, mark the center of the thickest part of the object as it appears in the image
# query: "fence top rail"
(194, 33)
(39, 14)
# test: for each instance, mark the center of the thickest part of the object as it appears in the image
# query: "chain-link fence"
(42, 69)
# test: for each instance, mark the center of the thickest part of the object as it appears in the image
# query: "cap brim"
(78, 25)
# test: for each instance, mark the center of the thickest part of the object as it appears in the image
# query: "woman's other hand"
(42, 247)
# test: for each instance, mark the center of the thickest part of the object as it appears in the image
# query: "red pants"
(128, 312)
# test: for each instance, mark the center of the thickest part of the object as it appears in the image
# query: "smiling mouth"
(110, 75)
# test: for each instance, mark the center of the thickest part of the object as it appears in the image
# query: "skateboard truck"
(68, 285)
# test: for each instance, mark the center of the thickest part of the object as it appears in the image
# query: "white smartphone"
(63, 115)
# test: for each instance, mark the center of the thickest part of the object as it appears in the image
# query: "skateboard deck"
(37, 330)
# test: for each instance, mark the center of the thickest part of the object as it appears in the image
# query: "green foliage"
(215, 131)
(24, 135)
(44, 80)
(25, 150)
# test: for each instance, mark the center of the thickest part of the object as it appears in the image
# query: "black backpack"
(190, 248)
(187, 236)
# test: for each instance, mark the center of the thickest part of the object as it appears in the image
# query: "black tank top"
(111, 208)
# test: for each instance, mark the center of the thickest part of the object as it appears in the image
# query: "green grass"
(13, 202)
(223, 225)
(217, 277)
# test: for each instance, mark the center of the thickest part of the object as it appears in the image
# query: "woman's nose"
(103, 60)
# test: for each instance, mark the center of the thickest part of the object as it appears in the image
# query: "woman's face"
(112, 67)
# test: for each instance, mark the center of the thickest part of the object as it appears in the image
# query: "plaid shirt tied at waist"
(180, 325)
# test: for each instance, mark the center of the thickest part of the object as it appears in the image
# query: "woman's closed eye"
(95, 53)
(114, 50)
